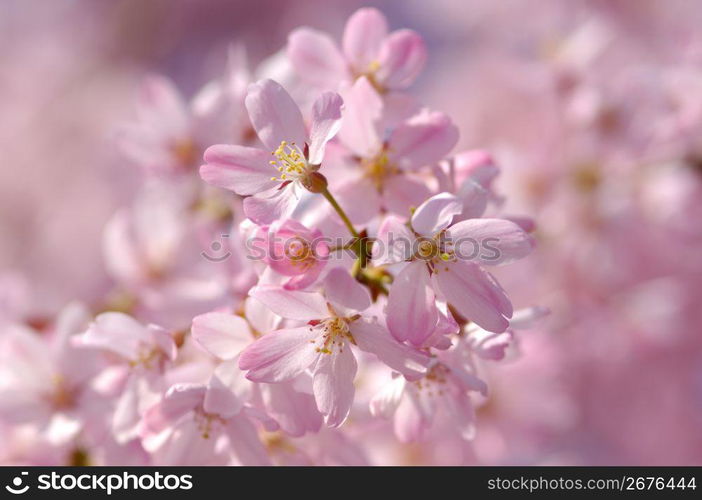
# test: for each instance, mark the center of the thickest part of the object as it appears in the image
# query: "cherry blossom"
(296, 156)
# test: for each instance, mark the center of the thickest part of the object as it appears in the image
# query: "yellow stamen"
(290, 161)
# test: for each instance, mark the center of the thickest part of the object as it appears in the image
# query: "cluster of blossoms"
(343, 286)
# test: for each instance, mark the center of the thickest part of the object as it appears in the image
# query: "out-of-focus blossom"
(388, 60)
(185, 426)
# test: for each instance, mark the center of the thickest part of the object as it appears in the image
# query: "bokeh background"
(593, 109)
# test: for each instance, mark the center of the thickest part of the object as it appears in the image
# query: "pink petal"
(220, 400)
(243, 438)
(316, 58)
(490, 241)
(274, 115)
(126, 416)
(349, 195)
(333, 385)
(234, 379)
(276, 239)
(402, 58)
(398, 107)
(179, 400)
(260, 317)
(412, 313)
(373, 338)
(303, 306)
(281, 355)
(475, 294)
(461, 409)
(528, 317)
(489, 345)
(410, 423)
(238, 168)
(220, 334)
(302, 281)
(422, 140)
(364, 109)
(394, 242)
(403, 192)
(326, 121)
(387, 400)
(477, 165)
(468, 380)
(474, 198)
(364, 34)
(162, 106)
(526, 223)
(121, 253)
(18, 406)
(341, 289)
(272, 205)
(267, 422)
(117, 332)
(295, 411)
(436, 214)
(163, 340)
(186, 446)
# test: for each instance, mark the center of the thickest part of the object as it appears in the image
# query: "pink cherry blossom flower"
(445, 260)
(291, 249)
(146, 351)
(335, 322)
(445, 387)
(47, 382)
(493, 346)
(169, 134)
(383, 172)
(186, 425)
(153, 250)
(224, 336)
(161, 140)
(389, 60)
(297, 156)
(470, 175)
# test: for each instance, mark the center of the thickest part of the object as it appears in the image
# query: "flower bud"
(315, 182)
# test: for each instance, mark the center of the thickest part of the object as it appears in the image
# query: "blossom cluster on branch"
(344, 284)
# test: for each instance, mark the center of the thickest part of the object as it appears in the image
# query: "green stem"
(332, 201)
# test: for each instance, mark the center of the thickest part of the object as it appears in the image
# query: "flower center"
(300, 254)
(290, 162)
(434, 382)
(147, 357)
(436, 251)
(378, 168)
(61, 395)
(299, 250)
(427, 249)
(369, 73)
(207, 422)
(335, 333)
(185, 151)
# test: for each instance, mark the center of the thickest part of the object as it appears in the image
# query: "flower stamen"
(290, 162)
